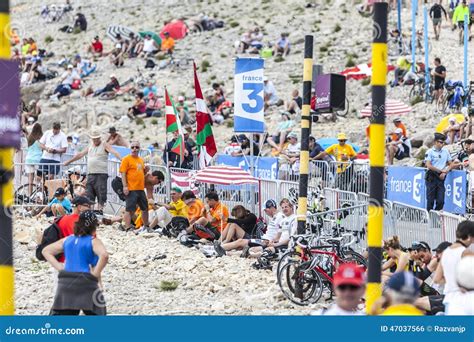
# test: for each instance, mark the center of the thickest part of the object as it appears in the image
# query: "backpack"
(177, 225)
(150, 64)
(117, 186)
(50, 235)
(206, 233)
(259, 230)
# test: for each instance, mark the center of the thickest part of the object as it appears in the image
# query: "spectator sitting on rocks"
(233, 149)
(167, 44)
(294, 105)
(150, 88)
(453, 131)
(134, 47)
(80, 22)
(397, 148)
(139, 107)
(116, 56)
(153, 105)
(270, 95)
(115, 139)
(96, 48)
(256, 41)
(33, 111)
(216, 215)
(284, 127)
(59, 206)
(113, 85)
(149, 47)
(282, 46)
(67, 79)
(165, 213)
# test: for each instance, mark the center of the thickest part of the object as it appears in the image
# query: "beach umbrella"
(177, 29)
(326, 142)
(153, 35)
(224, 175)
(392, 107)
(124, 31)
(444, 123)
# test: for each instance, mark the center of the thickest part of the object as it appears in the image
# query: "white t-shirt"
(273, 226)
(461, 305)
(149, 45)
(53, 141)
(293, 149)
(288, 227)
(450, 260)
(69, 77)
(335, 310)
(269, 89)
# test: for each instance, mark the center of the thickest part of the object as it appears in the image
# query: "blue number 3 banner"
(248, 96)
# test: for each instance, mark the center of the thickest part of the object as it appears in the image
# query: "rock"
(420, 154)
(416, 142)
(429, 140)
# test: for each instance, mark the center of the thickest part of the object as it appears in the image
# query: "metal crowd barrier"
(413, 224)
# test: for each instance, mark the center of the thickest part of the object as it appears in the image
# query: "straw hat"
(94, 134)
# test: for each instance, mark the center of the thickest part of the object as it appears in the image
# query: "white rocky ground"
(216, 286)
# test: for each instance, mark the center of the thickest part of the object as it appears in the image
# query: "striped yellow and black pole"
(7, 306)
(377, 154)
(305, 132)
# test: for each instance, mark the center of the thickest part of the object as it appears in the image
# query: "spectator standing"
(438, 162)
(133, 172)
(436, 12)
(54, 144)
(97, 167)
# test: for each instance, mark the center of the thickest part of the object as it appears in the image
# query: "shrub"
(168, 285)
(233, 24)
(416, 100)
(48, 39)
(350, 62)
(337, 28)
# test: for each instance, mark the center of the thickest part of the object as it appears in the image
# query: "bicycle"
(303, 278)
(419, 90)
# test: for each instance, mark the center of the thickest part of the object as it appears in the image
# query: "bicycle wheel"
(31, 202)
(354, 257)
(299, 286)
(291, 256)
(344, 112)
(416, 91)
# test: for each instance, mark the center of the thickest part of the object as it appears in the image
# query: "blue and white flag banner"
(248, 96)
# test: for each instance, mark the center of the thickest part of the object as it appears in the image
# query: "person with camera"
(438, 163)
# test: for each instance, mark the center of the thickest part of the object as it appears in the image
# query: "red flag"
(204, 137)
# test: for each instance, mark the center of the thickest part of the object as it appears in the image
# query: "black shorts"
(136, 198)
(439, 85)
(461, 25)
(96, 187)
(44, 170)
(402, 154)
(436, 304)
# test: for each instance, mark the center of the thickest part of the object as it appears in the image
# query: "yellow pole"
(7, 301)
(377, 155)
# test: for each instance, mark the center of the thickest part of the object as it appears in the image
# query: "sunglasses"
(135, 147)
(349, 287)
(441, 142)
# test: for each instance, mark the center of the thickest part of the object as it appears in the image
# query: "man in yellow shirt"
(167, 44)
(166, 212)
(403, 289)
(342, 152)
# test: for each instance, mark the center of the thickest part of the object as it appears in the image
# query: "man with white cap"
(97, 167)
(453, 131)
(113, 85)
(397, 146)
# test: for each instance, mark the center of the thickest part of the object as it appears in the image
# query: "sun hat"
(94, 134)
(341, 136)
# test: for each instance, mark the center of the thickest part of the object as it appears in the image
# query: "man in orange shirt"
(398, 124)
(196, 208)
(216, 214)
(133, 172)
(167, 44)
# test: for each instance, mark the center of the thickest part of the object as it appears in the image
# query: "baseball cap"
(464, 274)
(397, 120)
(293, 135)
(439, 136)
(112, 130)
(176, 189)
(113, 76)
(81, 200)
(265, 78)
(118, 46)
(442, 246)
(59, 192)
(70, 66)
(270, 204)
(349, 274)
(404, 283)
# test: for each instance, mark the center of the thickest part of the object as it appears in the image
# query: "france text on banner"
(407, 185)
(248, 95)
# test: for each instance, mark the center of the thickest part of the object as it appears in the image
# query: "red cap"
(349, 274)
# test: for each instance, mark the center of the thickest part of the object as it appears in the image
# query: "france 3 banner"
(248, 96)
(407, 185)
